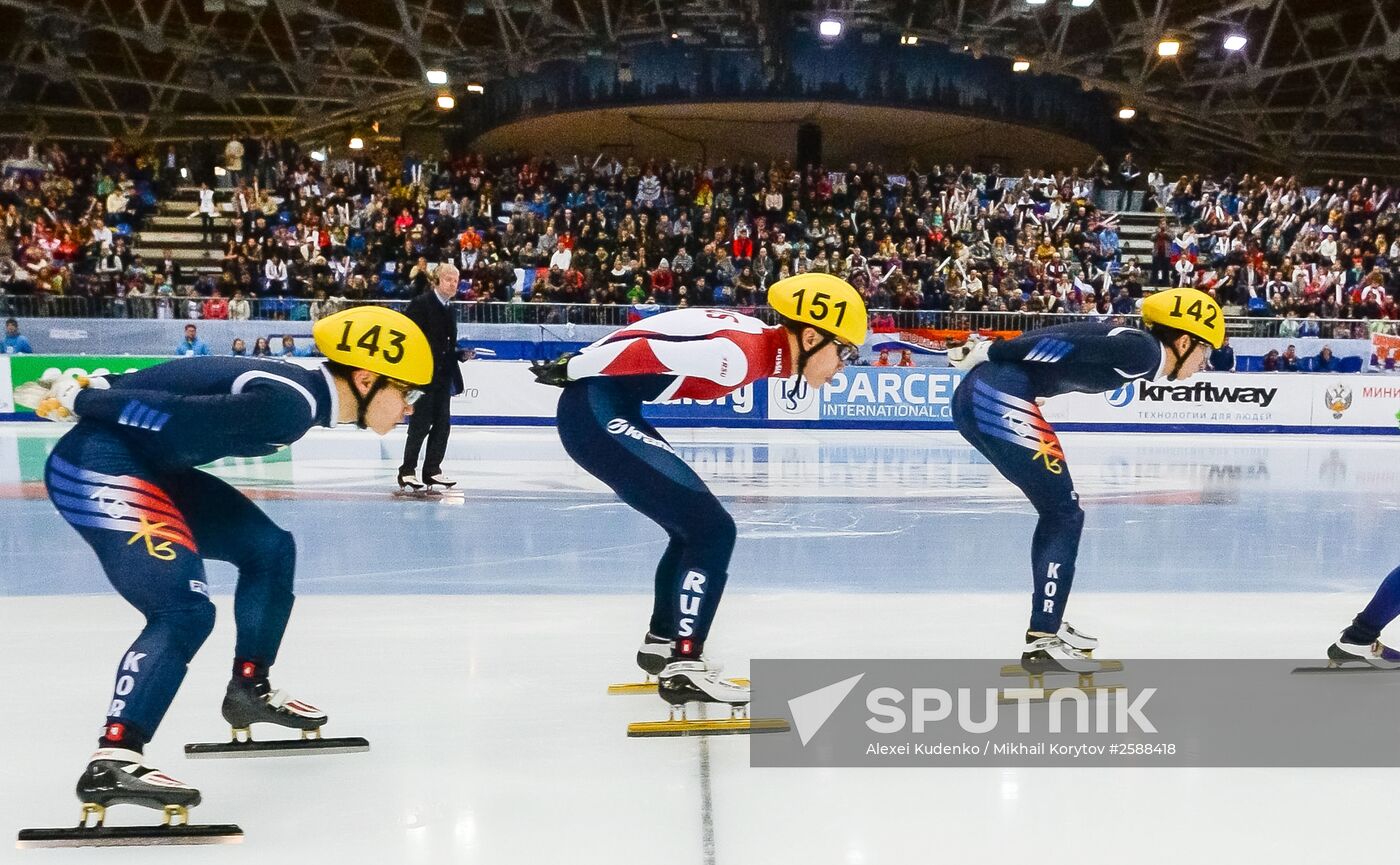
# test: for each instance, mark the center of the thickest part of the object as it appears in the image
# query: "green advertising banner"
(31, 367)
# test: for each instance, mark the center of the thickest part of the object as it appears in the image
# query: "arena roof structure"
(1283, 82)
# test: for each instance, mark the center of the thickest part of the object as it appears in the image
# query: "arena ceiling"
(1313, 85)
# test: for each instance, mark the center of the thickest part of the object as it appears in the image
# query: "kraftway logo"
(928, 706)
(1201, 391)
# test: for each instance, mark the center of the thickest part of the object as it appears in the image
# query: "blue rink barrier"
(861, 397)
(921, 398)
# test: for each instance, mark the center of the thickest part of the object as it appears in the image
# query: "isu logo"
(1337, 398)
(796, 394)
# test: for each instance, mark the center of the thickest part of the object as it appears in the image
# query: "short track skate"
(652, 657)
(245, 706)
(1347, 658)
(1063, 654)
(117, 777)
(684, 683)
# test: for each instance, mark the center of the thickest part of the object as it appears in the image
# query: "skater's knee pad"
(272, 554)
(712, 528)
(1068, 515)
(186, 627)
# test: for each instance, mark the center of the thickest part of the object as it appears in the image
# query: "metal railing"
(618, 315)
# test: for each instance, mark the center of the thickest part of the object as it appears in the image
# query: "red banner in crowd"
(1385, 346)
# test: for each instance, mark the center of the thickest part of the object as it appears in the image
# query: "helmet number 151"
(370, 342)
(820, 306)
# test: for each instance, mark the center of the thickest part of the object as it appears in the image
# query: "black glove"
(554, 373)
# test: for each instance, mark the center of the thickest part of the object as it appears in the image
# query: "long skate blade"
(707, 727)
(1089, 690)
(130, 836)
(1348, 667)
(650, 687)
(1018, 670)
(276, 748)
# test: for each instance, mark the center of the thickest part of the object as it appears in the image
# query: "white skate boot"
(1077, 639)
(693, 680)
(1050, 653)
(696, 681)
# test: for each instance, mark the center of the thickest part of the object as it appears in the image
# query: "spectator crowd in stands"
(608, 231)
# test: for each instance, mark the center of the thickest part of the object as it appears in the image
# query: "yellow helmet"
(1189, 310)
(376, 339)
(828, 303)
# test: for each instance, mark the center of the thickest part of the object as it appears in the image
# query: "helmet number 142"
(1194, 310)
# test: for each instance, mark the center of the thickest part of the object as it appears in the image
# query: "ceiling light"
(357, 143)
(675, 35)
(1168, 48)
(1021, 66)
(909, 39)
(445, 102)
(1081, 4)
(830, 28)
(318, 155)
(1035, 2)
(1235, 42)
(1127, 112)
(475, 87)
(437, 76)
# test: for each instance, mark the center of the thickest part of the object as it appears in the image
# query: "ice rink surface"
(471, 640)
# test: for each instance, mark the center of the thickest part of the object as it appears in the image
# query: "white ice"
(471, 640)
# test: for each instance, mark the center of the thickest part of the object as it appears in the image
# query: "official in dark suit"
(432, 311)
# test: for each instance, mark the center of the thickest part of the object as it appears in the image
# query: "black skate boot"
(251, 700)
(438, 480)
(116, 776)
(653, 654)
(255, 702)
(1375, 654)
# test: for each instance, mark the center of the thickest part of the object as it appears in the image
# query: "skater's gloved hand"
(554, 373)
(56, 402)
(970, 353)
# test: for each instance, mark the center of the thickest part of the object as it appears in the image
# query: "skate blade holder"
(1035, 678)
(648, 686)
(174, 830)
(243, 745)
(421, 493)
(738, 723)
